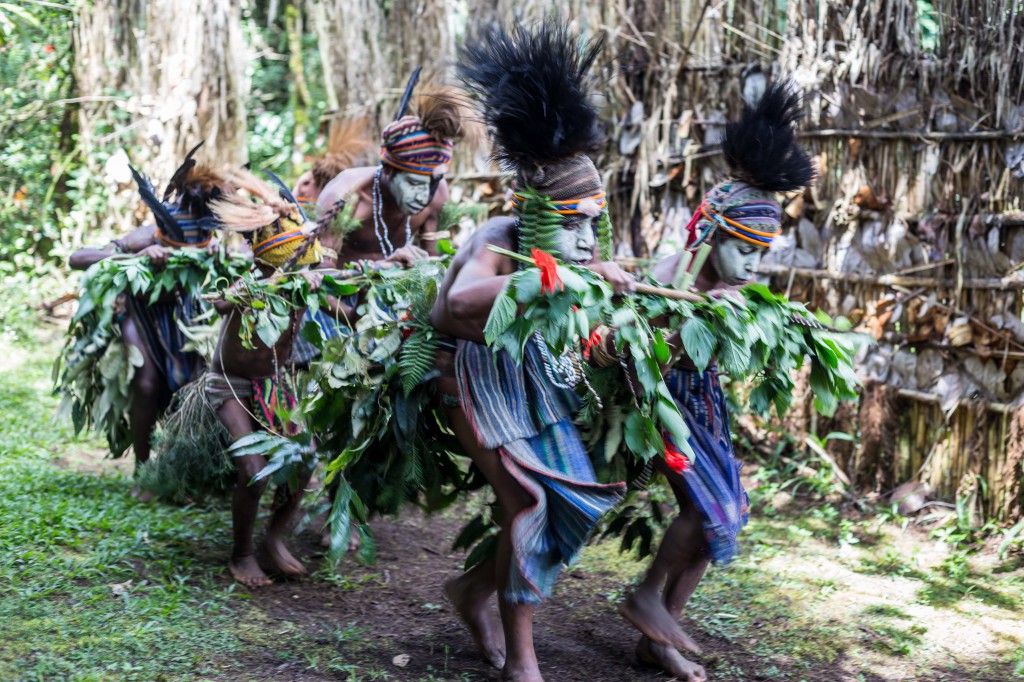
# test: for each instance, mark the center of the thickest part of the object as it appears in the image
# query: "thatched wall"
(915, 228)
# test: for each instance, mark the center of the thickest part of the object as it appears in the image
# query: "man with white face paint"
(739, 218)
(397, 203)
(515, 420)
(392, 208)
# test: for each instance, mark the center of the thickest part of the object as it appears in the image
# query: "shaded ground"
(96, 586)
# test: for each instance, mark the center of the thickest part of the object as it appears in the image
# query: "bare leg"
(246, 501)
(682, 578)
(517, 619)
(281, 524)
(147, 386)
(470, 594)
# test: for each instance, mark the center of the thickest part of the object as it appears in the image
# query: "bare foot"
(648, 615)
(281, 559)
(483, 626)
(248, 572)
(669, 660)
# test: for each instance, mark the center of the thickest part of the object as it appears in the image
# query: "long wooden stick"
(665, 292)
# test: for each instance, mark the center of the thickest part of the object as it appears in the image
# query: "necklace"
(380, 228)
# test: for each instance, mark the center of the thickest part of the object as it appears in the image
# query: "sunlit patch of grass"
(95, 584)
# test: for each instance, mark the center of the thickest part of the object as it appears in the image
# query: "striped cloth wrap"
(713, 480)
(408, 147)
(517, 411)
(164, 342)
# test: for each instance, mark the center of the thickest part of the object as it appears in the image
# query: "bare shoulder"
(344, 184)
(665, 269)
(140, 237)
(499, 231)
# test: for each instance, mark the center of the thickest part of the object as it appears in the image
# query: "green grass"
(97, 586)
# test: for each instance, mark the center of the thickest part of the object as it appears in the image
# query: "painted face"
(576, 240)
(305, 187)
(735, 260)
(411, 191)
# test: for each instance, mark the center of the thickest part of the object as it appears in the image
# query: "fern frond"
(417, 357)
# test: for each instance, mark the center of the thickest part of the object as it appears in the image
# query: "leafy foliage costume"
(532, 88)
(94, 373)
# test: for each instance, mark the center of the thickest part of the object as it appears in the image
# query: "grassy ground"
(96, 586)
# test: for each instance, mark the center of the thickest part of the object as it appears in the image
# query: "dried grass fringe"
(191, 462)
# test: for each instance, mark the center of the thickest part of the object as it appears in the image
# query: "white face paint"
(735, 260)
(575, 242)
(411, 192)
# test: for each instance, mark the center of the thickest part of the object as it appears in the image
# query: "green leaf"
(502, 315)
(698, 340)
(661, 349)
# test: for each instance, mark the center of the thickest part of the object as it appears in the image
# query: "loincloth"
(157, 324)
(713, 480)
(264, 397)
(517, 411)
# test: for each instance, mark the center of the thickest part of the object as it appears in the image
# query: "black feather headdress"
(532, 85)
(161, 214)
(761, 148)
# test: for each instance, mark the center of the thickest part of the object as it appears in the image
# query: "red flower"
(549, 281)
(594, 340)
(676, 460)
(48, 48)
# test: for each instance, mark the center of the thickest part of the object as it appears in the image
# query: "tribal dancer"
(389, 207)
(739, 218)
(397, 202)
(514, 421)
(183, 219)
(248, 386)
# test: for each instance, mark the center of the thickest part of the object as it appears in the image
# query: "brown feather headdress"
(348, 145)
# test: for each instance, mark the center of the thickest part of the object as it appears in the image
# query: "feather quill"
(761, 148)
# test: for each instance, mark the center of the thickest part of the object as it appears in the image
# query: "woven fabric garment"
(516, 411)
(196, 232)
(747, 205)
(164, 341)
(713, 479)
(407, 146)
(304, 352)
(270, 394)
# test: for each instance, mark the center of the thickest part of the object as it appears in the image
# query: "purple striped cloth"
(713, 479)
(157, 324)
(517, 411)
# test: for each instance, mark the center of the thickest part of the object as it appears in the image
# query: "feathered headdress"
(761, 148)
(763, 157)
(532, 85)
(348, 145)
(183, 217)
(271, 219)
(422, 143)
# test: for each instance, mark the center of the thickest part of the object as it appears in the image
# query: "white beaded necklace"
(380, 228)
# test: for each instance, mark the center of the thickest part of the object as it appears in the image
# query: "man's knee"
(248, 467)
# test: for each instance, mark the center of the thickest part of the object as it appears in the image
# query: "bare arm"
(134, 242)
(478, 283)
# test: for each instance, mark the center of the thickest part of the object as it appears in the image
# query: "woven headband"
(565, 206)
